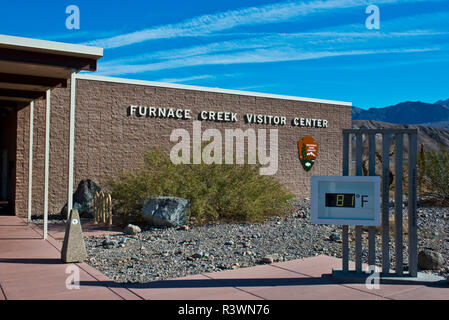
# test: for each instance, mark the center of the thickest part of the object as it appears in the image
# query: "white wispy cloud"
(317, 39)
(430, 22)
(251, 56)
(376, 65)
(409, 34)
(208, 24)
(187, 79)
(78, 35)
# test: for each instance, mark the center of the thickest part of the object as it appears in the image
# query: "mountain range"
(432, 139)
(434, 115)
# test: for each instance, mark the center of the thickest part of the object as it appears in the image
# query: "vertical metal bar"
(372, 230)
(358, 249)
(30, 163)
(359, 154)
(385, 204)
(358, 229)
(399, 263)
(71, 142)
(4, 164)
(346, 154)
(47, 161)
(372, 154)
(345, 248)
(345, 229)
(412, 223)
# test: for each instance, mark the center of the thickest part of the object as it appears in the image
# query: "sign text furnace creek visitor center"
(98, 126)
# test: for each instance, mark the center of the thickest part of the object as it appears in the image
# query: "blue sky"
(315, 48)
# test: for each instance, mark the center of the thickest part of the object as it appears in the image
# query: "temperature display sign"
(345, 200)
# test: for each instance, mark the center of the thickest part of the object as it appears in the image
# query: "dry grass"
(392, 224)
(351, 235)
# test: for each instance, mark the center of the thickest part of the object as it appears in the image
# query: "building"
(117, 120)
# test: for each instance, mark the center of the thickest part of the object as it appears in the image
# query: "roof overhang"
(29, 67)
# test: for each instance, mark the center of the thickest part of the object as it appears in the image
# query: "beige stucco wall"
(108, 140)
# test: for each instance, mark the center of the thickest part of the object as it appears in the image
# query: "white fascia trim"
(206, 89)
(37, 45)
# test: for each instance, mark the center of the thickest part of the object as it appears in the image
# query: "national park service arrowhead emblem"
(308, 151)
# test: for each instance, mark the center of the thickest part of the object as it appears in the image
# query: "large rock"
(430, 260)
(166, 211)
(83, 199)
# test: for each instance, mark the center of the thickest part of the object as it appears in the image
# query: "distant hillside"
(431, 138)
(439, 124)
(430, 114)
(443, 102)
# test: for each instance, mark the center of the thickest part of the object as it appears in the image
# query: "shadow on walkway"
(32, 261)
(214, 283)
(326, 279)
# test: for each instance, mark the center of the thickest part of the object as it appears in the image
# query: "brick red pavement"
(30, 269)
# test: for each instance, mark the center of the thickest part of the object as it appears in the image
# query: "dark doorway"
(8, 136)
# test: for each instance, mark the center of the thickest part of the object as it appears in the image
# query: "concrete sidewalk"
(30, 268)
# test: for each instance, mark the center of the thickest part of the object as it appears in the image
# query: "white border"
(206, 89)
(348, 222)
(37, 45)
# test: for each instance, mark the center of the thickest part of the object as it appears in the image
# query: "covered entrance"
(29, 70)
(8, 135)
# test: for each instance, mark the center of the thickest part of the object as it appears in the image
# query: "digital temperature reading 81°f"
(345, 200)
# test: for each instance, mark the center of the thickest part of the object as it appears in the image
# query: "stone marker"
(73, 248)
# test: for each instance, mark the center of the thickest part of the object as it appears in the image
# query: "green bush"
(232, 193)
(433, 174)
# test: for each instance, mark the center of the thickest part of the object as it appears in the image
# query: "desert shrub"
(233, 193)
(433, 174)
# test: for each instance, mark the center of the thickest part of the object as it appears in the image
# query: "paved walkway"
(30, 268)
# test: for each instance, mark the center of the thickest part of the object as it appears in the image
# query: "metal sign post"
(335, 205)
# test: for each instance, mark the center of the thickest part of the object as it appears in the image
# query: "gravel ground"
(157, 254)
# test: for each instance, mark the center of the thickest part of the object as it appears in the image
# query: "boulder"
(83, 199)
(131, 229)
(166, 211)
(430, 260)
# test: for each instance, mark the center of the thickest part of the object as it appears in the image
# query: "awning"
(29, 69)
